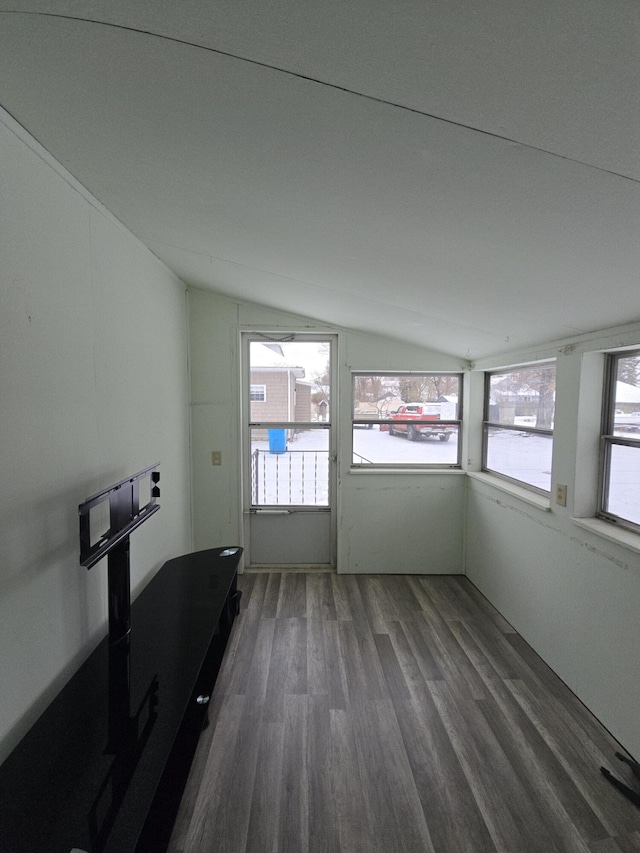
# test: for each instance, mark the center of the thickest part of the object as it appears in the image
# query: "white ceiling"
(457, 173)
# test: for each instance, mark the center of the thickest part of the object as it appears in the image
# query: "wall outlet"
(561, 495)
(216, 457)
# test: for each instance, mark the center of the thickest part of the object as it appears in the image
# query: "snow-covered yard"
(300, 475)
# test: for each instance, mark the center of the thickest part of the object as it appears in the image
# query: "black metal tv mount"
(125, 515)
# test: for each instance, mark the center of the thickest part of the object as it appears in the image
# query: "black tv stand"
(104, 768)
(629, 793)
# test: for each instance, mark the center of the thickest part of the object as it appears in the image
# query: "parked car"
(422, 417)
(366, 414)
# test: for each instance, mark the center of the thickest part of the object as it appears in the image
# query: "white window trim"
(611, 532)
(524, 493)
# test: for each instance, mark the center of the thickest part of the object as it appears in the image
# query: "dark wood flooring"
(375, 714)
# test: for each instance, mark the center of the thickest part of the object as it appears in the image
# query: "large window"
(518, 424)
(620, 492)
(407, 419)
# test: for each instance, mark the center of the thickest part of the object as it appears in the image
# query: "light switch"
(216, 457)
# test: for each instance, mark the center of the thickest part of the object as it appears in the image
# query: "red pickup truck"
(422, 416)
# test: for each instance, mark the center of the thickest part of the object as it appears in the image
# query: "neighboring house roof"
(298, 372)
(269, 357)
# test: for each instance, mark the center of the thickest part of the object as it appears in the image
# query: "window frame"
(456, 423)
(608, 439)
(487, 424)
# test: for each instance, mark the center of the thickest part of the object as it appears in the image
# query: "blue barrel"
(277, 440)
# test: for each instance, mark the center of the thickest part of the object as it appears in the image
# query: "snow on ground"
(300, 475)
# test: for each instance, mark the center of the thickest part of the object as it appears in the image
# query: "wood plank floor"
(375, 714)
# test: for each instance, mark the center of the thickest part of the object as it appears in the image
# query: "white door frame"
(277, 513)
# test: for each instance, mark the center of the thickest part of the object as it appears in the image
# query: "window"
(518, 424)
(406, 419)
(620, 487)
(258, 393)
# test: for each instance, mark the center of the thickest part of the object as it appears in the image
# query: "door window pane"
(289, 382)
(289, 467)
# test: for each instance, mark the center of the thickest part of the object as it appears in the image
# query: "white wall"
(409, 523)
(215, 400)
(572, 593)
(386, 522)
(93, 387)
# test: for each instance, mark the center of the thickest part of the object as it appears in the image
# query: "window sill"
(532, 498)
(378, 469)
(619, 535)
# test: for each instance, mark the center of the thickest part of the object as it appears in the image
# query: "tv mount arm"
(125, 515)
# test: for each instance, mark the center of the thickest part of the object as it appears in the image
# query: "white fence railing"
(293, 477)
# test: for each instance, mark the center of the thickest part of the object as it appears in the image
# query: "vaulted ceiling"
(464, 175)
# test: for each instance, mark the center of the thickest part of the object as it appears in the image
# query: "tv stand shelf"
(104, 767)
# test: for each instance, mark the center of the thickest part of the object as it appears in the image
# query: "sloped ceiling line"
(321, 177)
(310, 79)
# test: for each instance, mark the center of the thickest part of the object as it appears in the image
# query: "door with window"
(289, 453)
